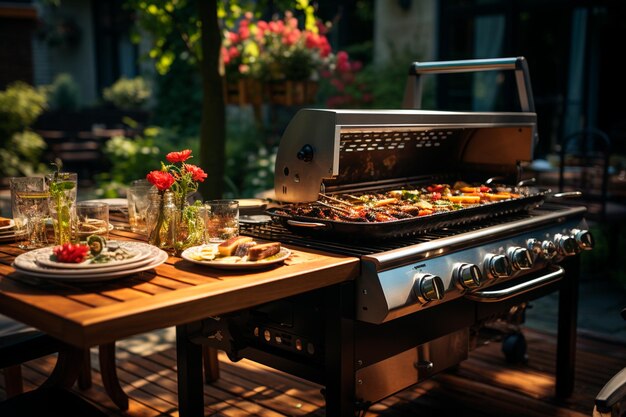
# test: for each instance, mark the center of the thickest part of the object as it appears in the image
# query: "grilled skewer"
(336, 200)
(344, 211)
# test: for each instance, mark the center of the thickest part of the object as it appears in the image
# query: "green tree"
(190, 30)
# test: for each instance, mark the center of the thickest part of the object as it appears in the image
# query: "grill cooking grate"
(276, 232)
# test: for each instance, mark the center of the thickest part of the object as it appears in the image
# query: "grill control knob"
(548, 249)
(497, 266)
(521, 258)
(428, 287)
(566, 245)
(584, 238)
(467, 275)
(534, 245)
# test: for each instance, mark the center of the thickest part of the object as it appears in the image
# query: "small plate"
(97, 277)
(10, 225)
(231, 264)
(254, 219)
(251, 205)
(42, 256)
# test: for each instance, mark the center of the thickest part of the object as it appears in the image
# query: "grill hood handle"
(413, 91)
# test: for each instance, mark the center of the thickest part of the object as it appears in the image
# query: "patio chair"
(584, 166)
(20, 343)
(607, 402)
(52, 398)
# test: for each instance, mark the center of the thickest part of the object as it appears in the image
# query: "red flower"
(161, 179)
(181, 156)
(197, 173)
(70, 253)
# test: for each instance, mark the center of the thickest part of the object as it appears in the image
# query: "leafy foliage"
(63, 93)
(129, 157)
(179, 99)
(20, 148)
(128, 94)
(249, 160)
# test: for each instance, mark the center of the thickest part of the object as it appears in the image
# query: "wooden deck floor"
(483, 385)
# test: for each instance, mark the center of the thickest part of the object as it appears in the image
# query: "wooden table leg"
(108, 370)
(189, 369)
(84, 377)
(211, 364)
(65, 372)
(13, 380)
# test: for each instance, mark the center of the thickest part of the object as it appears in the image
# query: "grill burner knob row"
(521, 258)
(545, 249)
(428, 287)
(467, 275)
(584, 238)
(497, 266)
(566, 245)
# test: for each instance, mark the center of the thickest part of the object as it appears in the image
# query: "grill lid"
(346, 149)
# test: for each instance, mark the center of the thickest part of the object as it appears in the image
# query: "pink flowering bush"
(345, 89)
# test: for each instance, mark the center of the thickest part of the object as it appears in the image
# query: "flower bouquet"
(174, 224)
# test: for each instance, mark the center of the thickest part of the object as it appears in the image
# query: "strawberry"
(70, 253)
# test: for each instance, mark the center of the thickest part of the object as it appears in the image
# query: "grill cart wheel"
(514, 348)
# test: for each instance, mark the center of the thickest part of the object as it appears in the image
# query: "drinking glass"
(138, 202)
(222, 220)
(62, 187)
(29, 202)
(92, 218)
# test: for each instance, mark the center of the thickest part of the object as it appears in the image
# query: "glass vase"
(191, 229)
(161, 220)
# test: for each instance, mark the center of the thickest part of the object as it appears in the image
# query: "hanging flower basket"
(292, 93)
(243, 92)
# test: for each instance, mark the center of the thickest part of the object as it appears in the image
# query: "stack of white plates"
(38, 263)
(7, 233)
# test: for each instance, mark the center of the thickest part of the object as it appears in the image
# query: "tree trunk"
(213, 124)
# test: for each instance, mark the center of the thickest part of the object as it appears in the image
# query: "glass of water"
(29, 204)
(222, 221)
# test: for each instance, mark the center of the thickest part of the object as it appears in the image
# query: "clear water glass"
(29, 204)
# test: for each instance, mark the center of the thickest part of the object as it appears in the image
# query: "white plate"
(141, 251)
(5, 237)
(10, 225)
(246, 204)
(220, 263)
(254, 219)
(29, 262)
(87, 277)
(27, 265)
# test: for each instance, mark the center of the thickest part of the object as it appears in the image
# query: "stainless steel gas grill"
(428, 283)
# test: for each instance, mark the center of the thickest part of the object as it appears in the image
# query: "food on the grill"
(400, 204)
(263, 250)
(228, 247)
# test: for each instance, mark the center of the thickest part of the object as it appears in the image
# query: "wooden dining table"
(175, 293)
